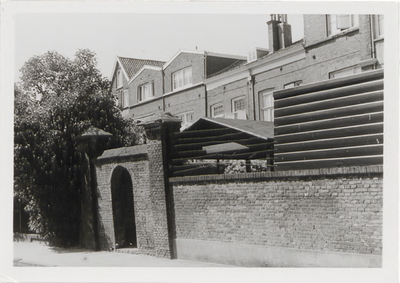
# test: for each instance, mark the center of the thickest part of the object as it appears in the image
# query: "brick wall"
(187, 100)
(148, 196)
(325, 212)
(183, 60)
(144, 77)
(225, 94)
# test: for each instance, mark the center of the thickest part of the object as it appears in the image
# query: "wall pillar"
(159, 129)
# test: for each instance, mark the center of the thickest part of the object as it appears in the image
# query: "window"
(125, 98)
(145, 92)
(292, 85)
(187, 119)
(182, 78)
(267, 105)
(338, 23)
(119, 79)
(378, 29)
(217, 110)
(239, 108)
(345, 72)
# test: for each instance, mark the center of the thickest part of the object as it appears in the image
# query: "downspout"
(163, 89)
(206, 100)
(205, 87)
(371, 26)
(254, 96)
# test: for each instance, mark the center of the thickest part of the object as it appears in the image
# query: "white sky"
(145, 36)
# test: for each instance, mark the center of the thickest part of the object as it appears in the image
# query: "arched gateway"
(123, 208)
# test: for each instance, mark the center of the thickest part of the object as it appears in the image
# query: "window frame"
(124, 94)
(354, 23)
(378, 37)
(343, 72)
(181, 73)
(119, 80)
(184, 117)
(140, 96)
(263, 107)
(215, 106)
(236, 99)
(295, 84)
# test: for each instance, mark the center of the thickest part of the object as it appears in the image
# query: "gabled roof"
(130, 66)
(261, 129)
(206, 53)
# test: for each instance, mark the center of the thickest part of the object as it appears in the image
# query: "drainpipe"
(205, 87)
(163, 89)
(254, 96)
(371, 25)
(206, 101)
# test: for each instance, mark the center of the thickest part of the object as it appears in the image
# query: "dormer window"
(338, 23)
(182, 78)
(119, 79)
(145, 92)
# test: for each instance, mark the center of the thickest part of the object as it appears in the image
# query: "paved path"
(40, 254)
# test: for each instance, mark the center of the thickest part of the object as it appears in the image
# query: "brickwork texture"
(333, 214)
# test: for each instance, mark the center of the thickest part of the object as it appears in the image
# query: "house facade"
(195, 84)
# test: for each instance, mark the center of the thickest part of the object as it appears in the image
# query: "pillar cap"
(160, 117)
(93, 133)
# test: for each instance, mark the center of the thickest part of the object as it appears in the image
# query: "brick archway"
(123, 208)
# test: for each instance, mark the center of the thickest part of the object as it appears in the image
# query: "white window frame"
(239, 113)
(293, 84)
(217, 106)
(340, 23)
(182, 78)
(267, 105)
(145, 91)
(120, 81)
(345, 72)
(186, 122)
(378, 35)
(125, 98)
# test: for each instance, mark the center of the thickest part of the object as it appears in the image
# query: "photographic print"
(242, 142)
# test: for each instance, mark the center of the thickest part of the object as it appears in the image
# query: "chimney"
(279, 32)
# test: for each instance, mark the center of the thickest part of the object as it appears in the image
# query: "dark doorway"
(123, 209)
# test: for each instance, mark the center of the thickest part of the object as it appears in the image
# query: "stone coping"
(375, 170)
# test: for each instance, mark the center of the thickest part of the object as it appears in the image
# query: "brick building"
(316, 111)
(194, 84)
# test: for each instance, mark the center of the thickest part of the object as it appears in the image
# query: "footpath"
(40, 254)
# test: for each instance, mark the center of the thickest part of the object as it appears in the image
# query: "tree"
(58, 100)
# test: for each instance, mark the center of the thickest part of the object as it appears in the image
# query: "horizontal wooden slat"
(224, 137)
(326, 144)
(332, 153)
(331, 123)
(198, 146)
(331, 133)
(330, 103)
(196, 171)
(329, 84)
(328, 94)
(329, 163)
(332, 113)
(244, 155)
(190, 153)
(202, 133)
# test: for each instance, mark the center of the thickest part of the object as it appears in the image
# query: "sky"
(140, 35)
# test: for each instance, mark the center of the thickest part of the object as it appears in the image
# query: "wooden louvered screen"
(190, 158)
(330, 124)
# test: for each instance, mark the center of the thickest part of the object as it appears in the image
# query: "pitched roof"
(261, 129)
(133, 65)
(235, 65)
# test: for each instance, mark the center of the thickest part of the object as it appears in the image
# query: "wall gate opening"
(123, 208)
